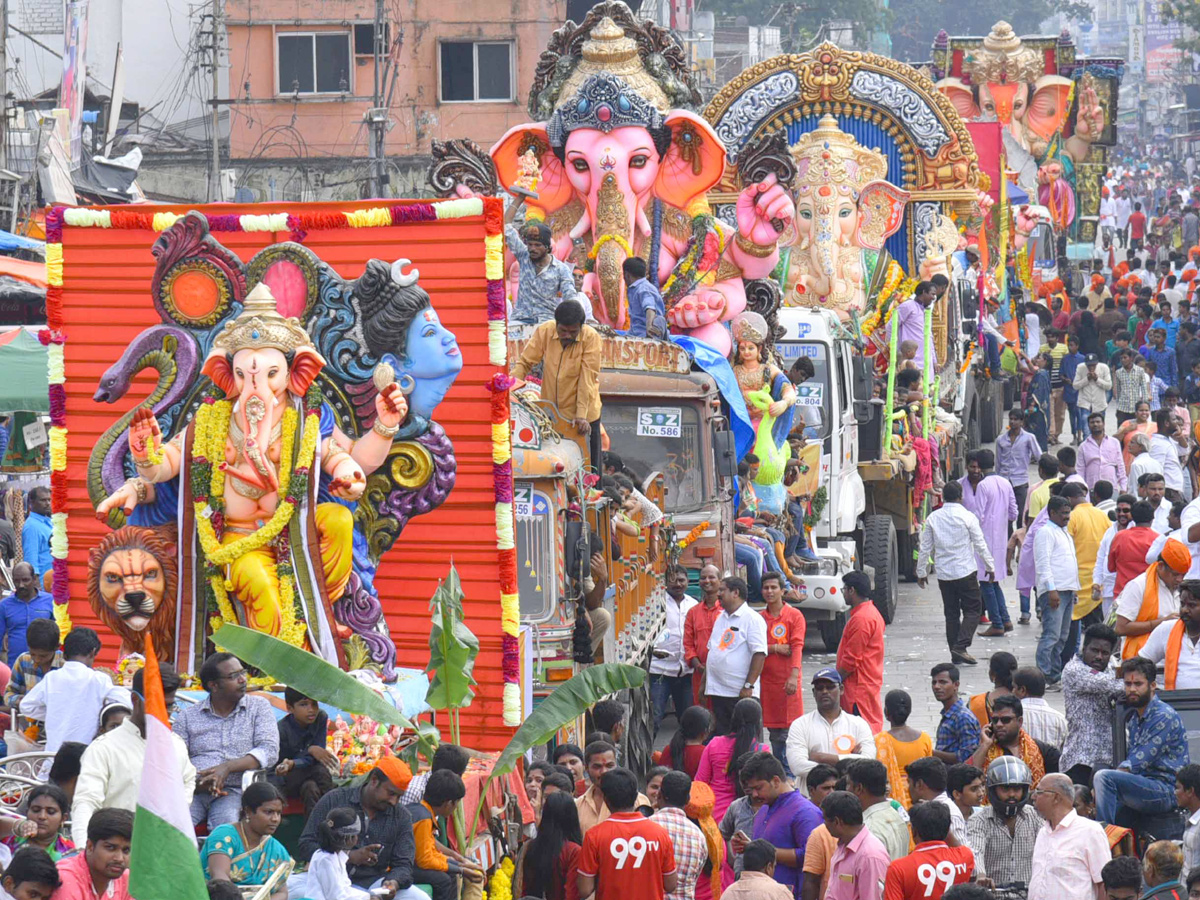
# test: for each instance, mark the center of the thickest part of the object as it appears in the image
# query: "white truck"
(867, 518)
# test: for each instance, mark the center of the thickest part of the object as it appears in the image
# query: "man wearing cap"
(827, 734)
(386, 848)
(1151, 599)
(544, 280)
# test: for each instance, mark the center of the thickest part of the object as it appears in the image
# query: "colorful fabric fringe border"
(492, 210)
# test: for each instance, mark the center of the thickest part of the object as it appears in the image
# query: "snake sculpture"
(173, 353)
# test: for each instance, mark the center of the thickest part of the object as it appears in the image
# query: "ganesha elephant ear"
(305, 368)
(217, 367)
(880, 212)
(553, 189)
(694, 160)
(960, 96)
(1050, 106)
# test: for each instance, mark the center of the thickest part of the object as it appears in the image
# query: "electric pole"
(3, 84)
(377, 116)
(214, 173)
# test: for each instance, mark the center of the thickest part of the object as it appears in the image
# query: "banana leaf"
(452, 648)
(567, 701)
(314, 677)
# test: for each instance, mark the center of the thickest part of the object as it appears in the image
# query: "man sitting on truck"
(569, 352)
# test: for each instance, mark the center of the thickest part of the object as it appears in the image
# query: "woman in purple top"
(718, 767)
(786, 817)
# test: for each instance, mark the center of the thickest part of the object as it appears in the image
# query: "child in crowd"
(43, 655)
(112, 716)
(69, 699)
(1157, 385)
(443, 793)
(327, 878)
(304, 760)
(908, 354)
(31, 875)
(757, 881)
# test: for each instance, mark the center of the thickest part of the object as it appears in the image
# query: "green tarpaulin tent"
(23, 380)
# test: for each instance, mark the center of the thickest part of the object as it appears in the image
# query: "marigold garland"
(692, 536)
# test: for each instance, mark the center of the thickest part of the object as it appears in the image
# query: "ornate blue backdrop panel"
(868, 134)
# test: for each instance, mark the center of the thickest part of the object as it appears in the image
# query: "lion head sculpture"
(131, 587)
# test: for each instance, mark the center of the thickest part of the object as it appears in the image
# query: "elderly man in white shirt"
(1057, 580)
(737, 650)
(827, 734)
(111, 768)
(956, 567)
(1070, 850)
(670, 675)
(1141, 462)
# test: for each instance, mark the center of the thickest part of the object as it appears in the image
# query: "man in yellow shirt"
(569, 352)
(1087, 528)
(1040, 495)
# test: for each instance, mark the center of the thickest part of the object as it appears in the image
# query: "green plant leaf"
(452, 648)
(567, 701)
(313, 676)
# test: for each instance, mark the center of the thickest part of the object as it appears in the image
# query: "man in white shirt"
(1153, 489)
(1070, 851)
(69, 699)
(1108, 215)
(111, 768)
(1176, 642)
(1168, 572)
(956, 568)
(1042, 722)
(1189, 524)
(1057, 580)
(1103, 580)
(827, 734)
(737, 650)
(670, 675)
(1166, 451)
(1141, 462)
(1124, 211)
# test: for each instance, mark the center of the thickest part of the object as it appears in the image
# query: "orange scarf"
(1030, 755)
(700, 808)
(1147, 613)
(1174, 648)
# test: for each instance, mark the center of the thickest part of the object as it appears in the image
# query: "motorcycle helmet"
(1003, 771)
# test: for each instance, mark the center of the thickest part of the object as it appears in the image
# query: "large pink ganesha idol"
(624, 171)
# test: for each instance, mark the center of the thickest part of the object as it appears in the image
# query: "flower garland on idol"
(298, 225)
(211, 434)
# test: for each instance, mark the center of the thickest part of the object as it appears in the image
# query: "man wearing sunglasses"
(1004, 735)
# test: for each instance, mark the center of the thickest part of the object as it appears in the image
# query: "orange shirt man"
(698, 626)
(860, 654)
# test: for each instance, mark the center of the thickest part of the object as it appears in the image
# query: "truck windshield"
(663, 439)
(816, 396)
(1041, 241)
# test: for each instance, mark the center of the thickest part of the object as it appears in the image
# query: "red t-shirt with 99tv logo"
(628, 856)
(928, 872)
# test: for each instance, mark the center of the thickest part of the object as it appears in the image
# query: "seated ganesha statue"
(845, 210)
(270, 553)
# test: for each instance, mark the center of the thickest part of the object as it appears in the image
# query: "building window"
(474, 71)
(314, 63)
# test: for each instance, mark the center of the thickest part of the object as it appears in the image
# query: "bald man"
(1070, 852)
(698, 626)
(21, 607)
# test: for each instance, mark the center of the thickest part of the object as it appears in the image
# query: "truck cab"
(832, 405)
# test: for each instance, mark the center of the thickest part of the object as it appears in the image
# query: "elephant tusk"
(643, 223)
(400, 278)
(582, 226)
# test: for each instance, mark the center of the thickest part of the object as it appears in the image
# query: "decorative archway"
(881, 103)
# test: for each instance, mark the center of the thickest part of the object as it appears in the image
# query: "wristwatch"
(749, 685)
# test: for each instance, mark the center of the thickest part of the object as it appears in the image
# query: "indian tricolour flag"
(164, 864)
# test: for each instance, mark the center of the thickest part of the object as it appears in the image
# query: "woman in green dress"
(246, 852)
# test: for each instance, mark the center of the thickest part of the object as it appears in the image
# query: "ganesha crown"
(827, 154)
(260, 326)
(604, 102)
